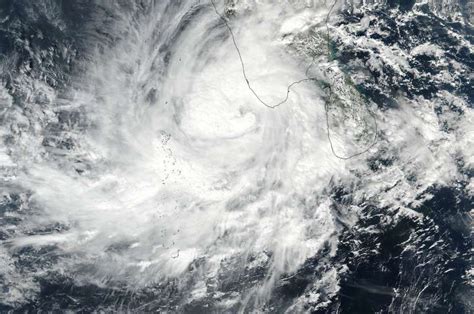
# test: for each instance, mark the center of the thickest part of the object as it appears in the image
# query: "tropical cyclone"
(139, 165)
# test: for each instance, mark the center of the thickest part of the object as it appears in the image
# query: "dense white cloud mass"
(176, 172)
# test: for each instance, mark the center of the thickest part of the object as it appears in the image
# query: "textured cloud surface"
(140, 157)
